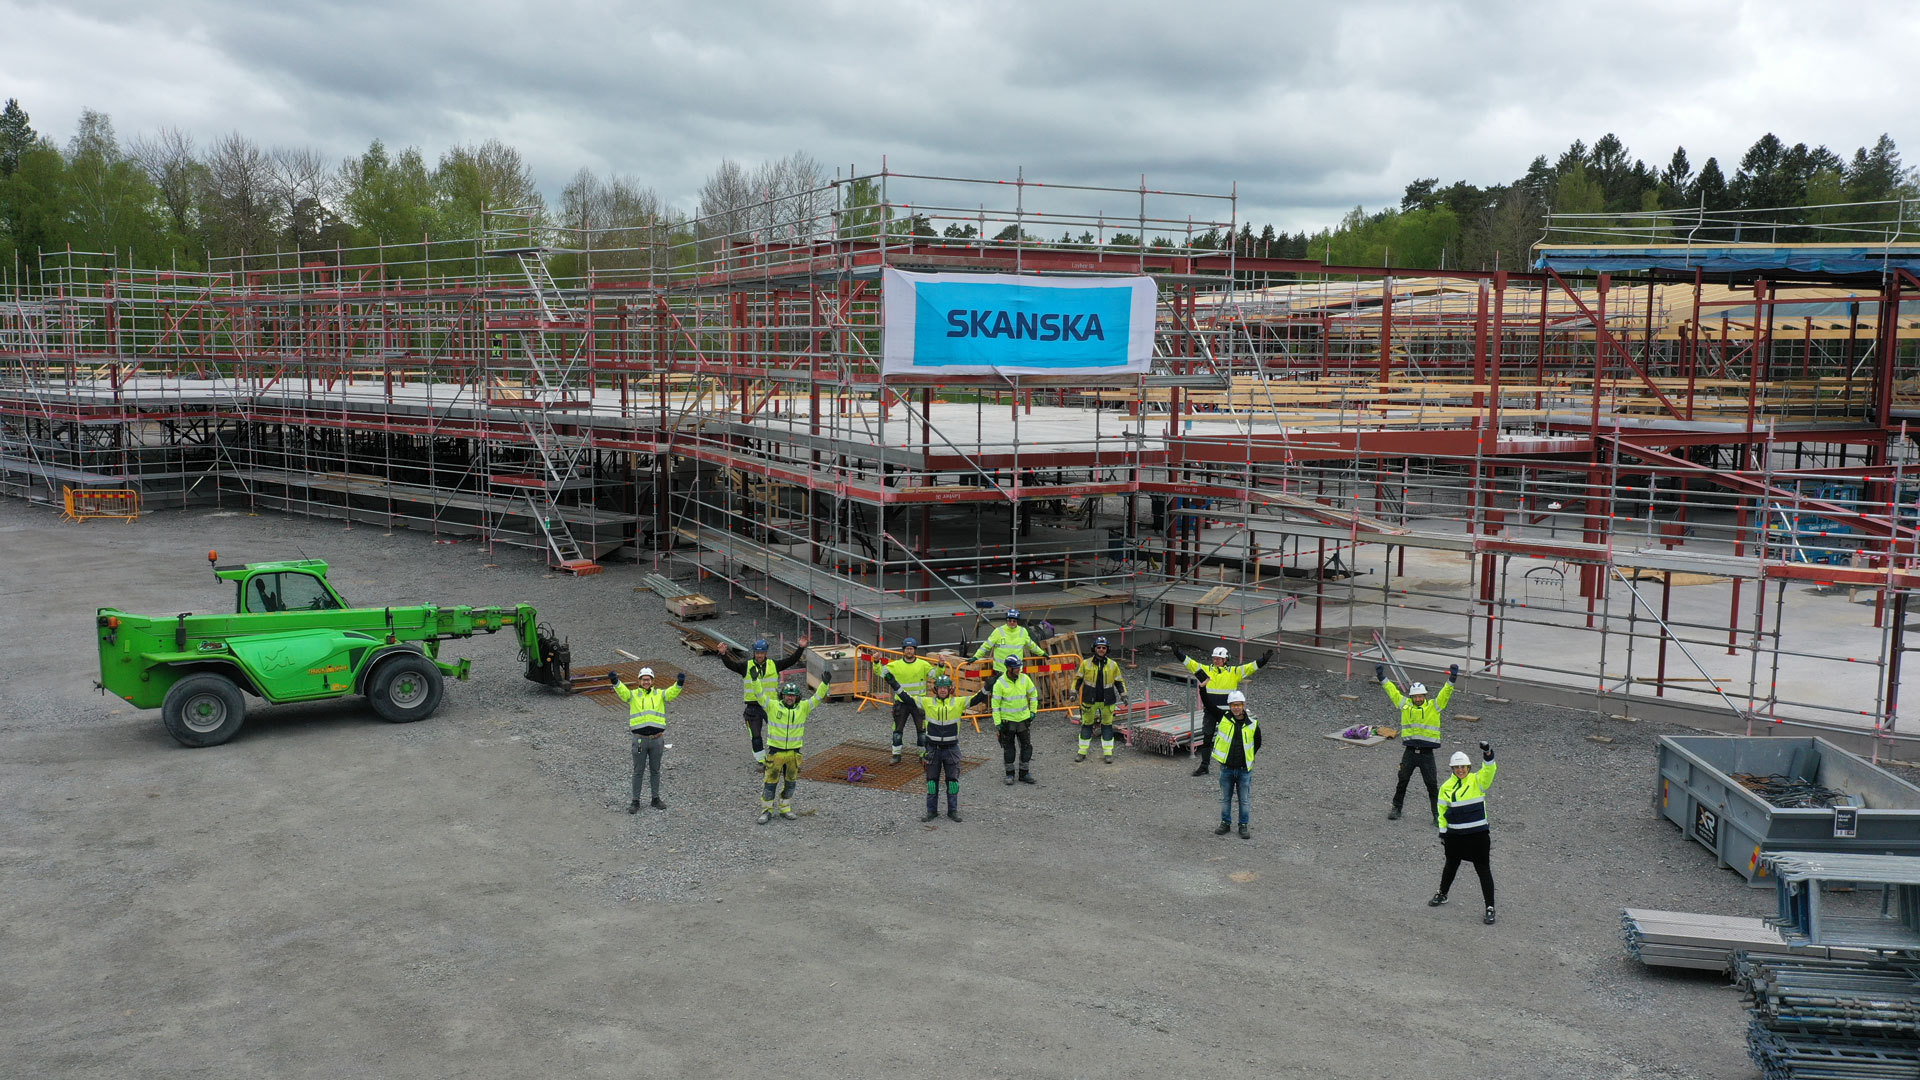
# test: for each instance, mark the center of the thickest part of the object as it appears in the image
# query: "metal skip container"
(1879, 813)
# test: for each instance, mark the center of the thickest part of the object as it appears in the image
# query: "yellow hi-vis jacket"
(1223, 736)
(1008, 640)
(1015, 698)
(1419, 724)
(1221, 678)
(1462, 804)
(647, 709)
(787, 724)
(912, 675)
(942, 715)
(1100, 681)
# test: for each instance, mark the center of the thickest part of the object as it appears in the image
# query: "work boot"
(1009, 780)
(1223, 830)
(1489, 916)
(1244, 834)
(766, 816)
(896, 755)
(1107, 759)
(1200, 769)
(633, 807)
(1438, 899)
(953, 814)
(657, 804)
(1079, 757)
(789, 815)
(929, 815)
(1026, 777)
(1393, 814)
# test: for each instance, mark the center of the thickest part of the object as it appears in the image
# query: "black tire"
(203, 709)
(405, 688)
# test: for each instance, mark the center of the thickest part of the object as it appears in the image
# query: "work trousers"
(1475, 847)
(943, 760)
(783, 767)
(1096, 718)
(904, 713)
(1014, 735)
(1421, 758)
(647, 752)
(1215, 706)
(1236, 780)
(756, 718)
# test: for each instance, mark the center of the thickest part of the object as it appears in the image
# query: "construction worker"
(1010, 639)
(1015, 701)
(907, 675)
(1218, 679)
(1101, 687)
(786, 728)
(942, 712)
(647, 721)
(1419, 732)
(758, 677)
(1462, 817)
(1235, 742)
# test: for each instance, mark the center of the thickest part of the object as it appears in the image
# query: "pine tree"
(17, 137)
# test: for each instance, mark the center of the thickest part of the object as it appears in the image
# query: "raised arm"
(798, 654)
(735, 663)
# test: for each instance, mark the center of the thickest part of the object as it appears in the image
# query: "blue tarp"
(1742, 259)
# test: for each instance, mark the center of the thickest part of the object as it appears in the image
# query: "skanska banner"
(1009, 324)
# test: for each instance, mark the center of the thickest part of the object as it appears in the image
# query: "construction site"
(1647, 474)
(1646, 491)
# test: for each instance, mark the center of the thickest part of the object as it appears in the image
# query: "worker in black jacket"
(760, 676)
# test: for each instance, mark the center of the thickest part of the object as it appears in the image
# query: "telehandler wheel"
(203, 709)
(405, 689)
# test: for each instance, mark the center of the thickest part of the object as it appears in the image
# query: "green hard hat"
(943, 681)
(789, 689)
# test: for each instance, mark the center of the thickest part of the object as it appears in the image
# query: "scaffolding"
(1559, 450)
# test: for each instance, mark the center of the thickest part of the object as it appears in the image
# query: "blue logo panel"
(987, 324)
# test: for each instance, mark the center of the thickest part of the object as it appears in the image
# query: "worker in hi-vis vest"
(1462, 818)
(786, 729)
(647, 721)
(1217, 679)
(1101, 688)
(1419, 732)
(941, 710)
(1235, 742)
(908, 675)
(758, 677)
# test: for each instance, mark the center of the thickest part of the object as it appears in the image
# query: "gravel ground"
(329, 895)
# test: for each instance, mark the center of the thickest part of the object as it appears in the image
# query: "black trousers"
(943, 759)
(756, 718)
(1015, 734)
(1475, 847)
(1215, 707)
(1421, 758)
(904, 713)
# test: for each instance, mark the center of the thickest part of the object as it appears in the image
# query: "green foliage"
(16, 137)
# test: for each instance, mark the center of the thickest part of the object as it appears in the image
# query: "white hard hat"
(1220, 652)
(1416, 689)
(1235, 695)
(645, 671)
(1459, 758)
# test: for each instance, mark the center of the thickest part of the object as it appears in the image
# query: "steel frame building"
(708, 395)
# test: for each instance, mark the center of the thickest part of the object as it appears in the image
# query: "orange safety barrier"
(1054, 674)
(85, 503)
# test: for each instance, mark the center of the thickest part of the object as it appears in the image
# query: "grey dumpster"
(1696, 791)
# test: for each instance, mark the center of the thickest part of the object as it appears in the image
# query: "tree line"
(162, 199)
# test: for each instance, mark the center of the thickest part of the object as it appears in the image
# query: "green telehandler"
(292, 637)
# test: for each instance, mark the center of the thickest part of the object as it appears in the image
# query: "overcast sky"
(1310, 108)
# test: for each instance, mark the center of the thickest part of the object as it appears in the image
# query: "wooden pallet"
(692, 606)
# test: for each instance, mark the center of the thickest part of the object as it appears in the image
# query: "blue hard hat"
(1013, 613)
(1011, 661)
(760, 645)
(1099, 641)
(910, 644)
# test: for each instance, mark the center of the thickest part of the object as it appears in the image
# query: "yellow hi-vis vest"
(1015, 698)
(761, 678)
(1462, 805)
(1221, 678)
(943, 716)
(1100, 681)
(911, 674)
(647, 708)
(787, 724)
(1420, 723)
(1008, 641)
(1223, 738)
